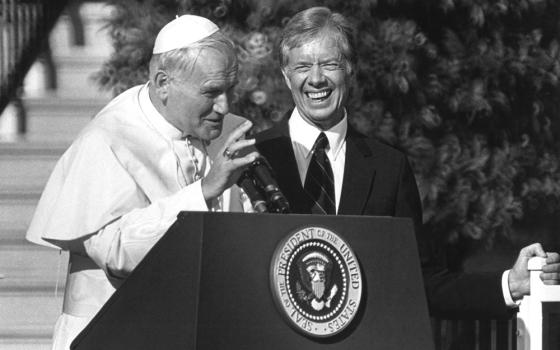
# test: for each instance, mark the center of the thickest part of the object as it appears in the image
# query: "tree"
(467, 88)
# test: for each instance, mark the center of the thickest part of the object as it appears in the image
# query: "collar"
(305, 134)
(155, 118)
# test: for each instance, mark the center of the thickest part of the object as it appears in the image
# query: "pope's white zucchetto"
(182, 32)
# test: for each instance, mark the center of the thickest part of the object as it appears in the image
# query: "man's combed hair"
(181, 62)
(314, 22)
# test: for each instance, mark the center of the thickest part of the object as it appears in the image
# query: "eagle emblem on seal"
(315, 284)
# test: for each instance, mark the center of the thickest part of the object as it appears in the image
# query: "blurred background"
(48, 52)
(469, 89)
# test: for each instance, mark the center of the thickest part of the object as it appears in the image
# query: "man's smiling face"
(318, 78)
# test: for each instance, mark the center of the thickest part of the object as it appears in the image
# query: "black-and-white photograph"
(279, 174)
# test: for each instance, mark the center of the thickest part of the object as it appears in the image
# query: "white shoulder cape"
(117, 163)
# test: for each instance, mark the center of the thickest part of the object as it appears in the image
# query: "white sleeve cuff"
(191, 198)
(505, 291)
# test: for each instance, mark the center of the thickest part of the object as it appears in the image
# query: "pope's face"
(318, 78)
(198, 101)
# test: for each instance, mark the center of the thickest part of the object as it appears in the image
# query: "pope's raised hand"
(229, 162)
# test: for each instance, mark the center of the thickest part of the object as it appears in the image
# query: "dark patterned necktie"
(319, 181)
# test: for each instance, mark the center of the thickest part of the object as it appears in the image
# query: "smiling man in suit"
(324, 166)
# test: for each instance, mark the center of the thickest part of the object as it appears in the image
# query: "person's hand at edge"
(518, 279)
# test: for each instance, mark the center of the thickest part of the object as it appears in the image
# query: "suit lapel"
(359, 170)
(359, 173)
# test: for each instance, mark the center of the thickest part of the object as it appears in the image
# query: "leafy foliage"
(469, 89)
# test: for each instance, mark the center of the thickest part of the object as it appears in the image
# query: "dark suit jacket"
(378, 181)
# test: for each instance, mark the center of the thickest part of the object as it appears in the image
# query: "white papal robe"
(111, 197)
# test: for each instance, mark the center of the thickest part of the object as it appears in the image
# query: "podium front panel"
(206, 285)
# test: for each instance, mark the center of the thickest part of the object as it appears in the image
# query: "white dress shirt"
(303, 137)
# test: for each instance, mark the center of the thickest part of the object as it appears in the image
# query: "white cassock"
(112, 196)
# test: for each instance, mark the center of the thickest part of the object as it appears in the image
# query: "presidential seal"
(316, 281)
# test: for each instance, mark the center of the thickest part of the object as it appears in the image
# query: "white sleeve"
(505, 290)
(119, 246)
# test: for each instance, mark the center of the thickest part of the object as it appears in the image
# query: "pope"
(144, 158)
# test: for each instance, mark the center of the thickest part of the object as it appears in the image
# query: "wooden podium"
(206, 285)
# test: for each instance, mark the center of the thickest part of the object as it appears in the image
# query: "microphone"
(259, 183)
(248, 185)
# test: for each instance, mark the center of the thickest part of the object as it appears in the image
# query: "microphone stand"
(261, 187)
